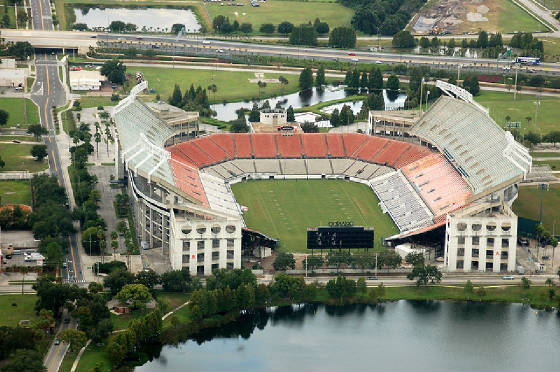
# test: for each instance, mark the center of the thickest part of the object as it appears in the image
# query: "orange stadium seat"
(289, 146)
(314, 145)
(371, 148)
(242, 146)
(264, 145)
(209, 147)
(336, 147)
(225, 141)
(353, 141)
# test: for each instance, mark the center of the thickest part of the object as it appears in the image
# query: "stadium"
(455, 175)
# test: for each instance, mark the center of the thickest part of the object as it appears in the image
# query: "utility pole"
(515, 86)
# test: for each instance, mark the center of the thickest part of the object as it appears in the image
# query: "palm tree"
(283, 81)
(100, 235)
(261, 85)
(115, 246)
(549, 282)
(213, 88)
(508, 118)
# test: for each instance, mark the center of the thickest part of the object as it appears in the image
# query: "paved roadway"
(198, 45)
(48, 93)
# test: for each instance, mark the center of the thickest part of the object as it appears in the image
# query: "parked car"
(371, 278)
(508, 277)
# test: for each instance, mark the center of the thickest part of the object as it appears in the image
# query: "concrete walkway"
(79, 356)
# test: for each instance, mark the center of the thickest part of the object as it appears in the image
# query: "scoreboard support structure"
(340, 237)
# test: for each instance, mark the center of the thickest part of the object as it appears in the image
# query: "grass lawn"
(551, 49)
(511, 293)
(18, 158)
(18, 138)
(15, 192)
(25, 309)
(92, 101)
(554, 164)
(284, 209)
(121, 321)
(503, 16)
(232, 86)
(92, 355)
(502, 104)
(68, 361)
(174, 299)
(528, 204)
(15, 107)
(545, 154)
(11, 12)
(275, 12)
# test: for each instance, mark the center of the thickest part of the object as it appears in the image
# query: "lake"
(393, 336)
(145, 19)
(227, 111)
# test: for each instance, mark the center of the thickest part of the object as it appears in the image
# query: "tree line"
(192, 100)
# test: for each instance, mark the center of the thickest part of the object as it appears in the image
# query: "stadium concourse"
(185, 207)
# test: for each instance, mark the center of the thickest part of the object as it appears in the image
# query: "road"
(225, 49)
(48, 93)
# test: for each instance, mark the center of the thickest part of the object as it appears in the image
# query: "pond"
(227, 111)
(145, 19)
(394, 336)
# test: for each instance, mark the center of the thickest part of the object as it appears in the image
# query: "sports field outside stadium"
(284, 209)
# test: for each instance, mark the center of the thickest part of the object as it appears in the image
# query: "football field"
(284, 209)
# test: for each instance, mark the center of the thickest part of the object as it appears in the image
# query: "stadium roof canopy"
(487, 156)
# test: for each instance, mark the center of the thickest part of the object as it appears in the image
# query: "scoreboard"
(340, 237)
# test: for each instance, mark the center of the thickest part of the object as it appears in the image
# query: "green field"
(232, 86)
(5, 4)
(276, 12)
(528, 205)
(284, 209)
(92, 356)
(18, 158)
(24, 310)
(554, 164)
(15, 107)
(93, 101)
(502, 104)
(545, 154)
(15, 192)
(512, 18)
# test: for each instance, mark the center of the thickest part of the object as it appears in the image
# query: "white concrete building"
(86, 80)
(273, 116)
(481, 237)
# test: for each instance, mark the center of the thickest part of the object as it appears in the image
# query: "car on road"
(93, 36)
(546, 258)
(508, 277)
(351, 54)
(220, 51)
(57, 342)
(371, 278)
(205, 42)
(378, 62)
(138, 37)
(354, 59)
(16, 141)
(66, 320)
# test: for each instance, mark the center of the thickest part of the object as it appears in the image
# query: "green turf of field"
(528, 204)
(18, 158)
(284, 209)
(232, 86)
(512, 18)
(15, 108)
(25, 309)
(554, 164)
(11, 12)
(501, 104)
(537, 154)
(276, 12)
(15, 192)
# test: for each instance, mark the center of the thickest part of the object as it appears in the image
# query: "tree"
(320, 77)
(322, 28)
(425, 274)
(23, 360)
(414, 259)
(393, 83)
(470, 83)
(361, 285)
(342, 37)
(525, 283)
(117, 280)
(117, 26)
(375, 80)
(39, 152)
(285, 27)
(149, 278)
(77, 339)
(290, 117)
(20, 50)
(54, 254)
(314, 262)
(341, 287)
(335, 118)
(246, 28)
(346, 115)
(36, 130)
(532, 137)
(375, 101)
(136, 294)
(213, 88)
(482, 41)
(308, 127)
(114, 70)
(424, 42)
(4, 115)
(284, 261)
(306, 79)
(364, 80)
(176, 96)
(2, 163)
(303, 35)
(469, 287)
(255, 115)
(267, 28)
(403, 39)
(283, 81)
(177, 27)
